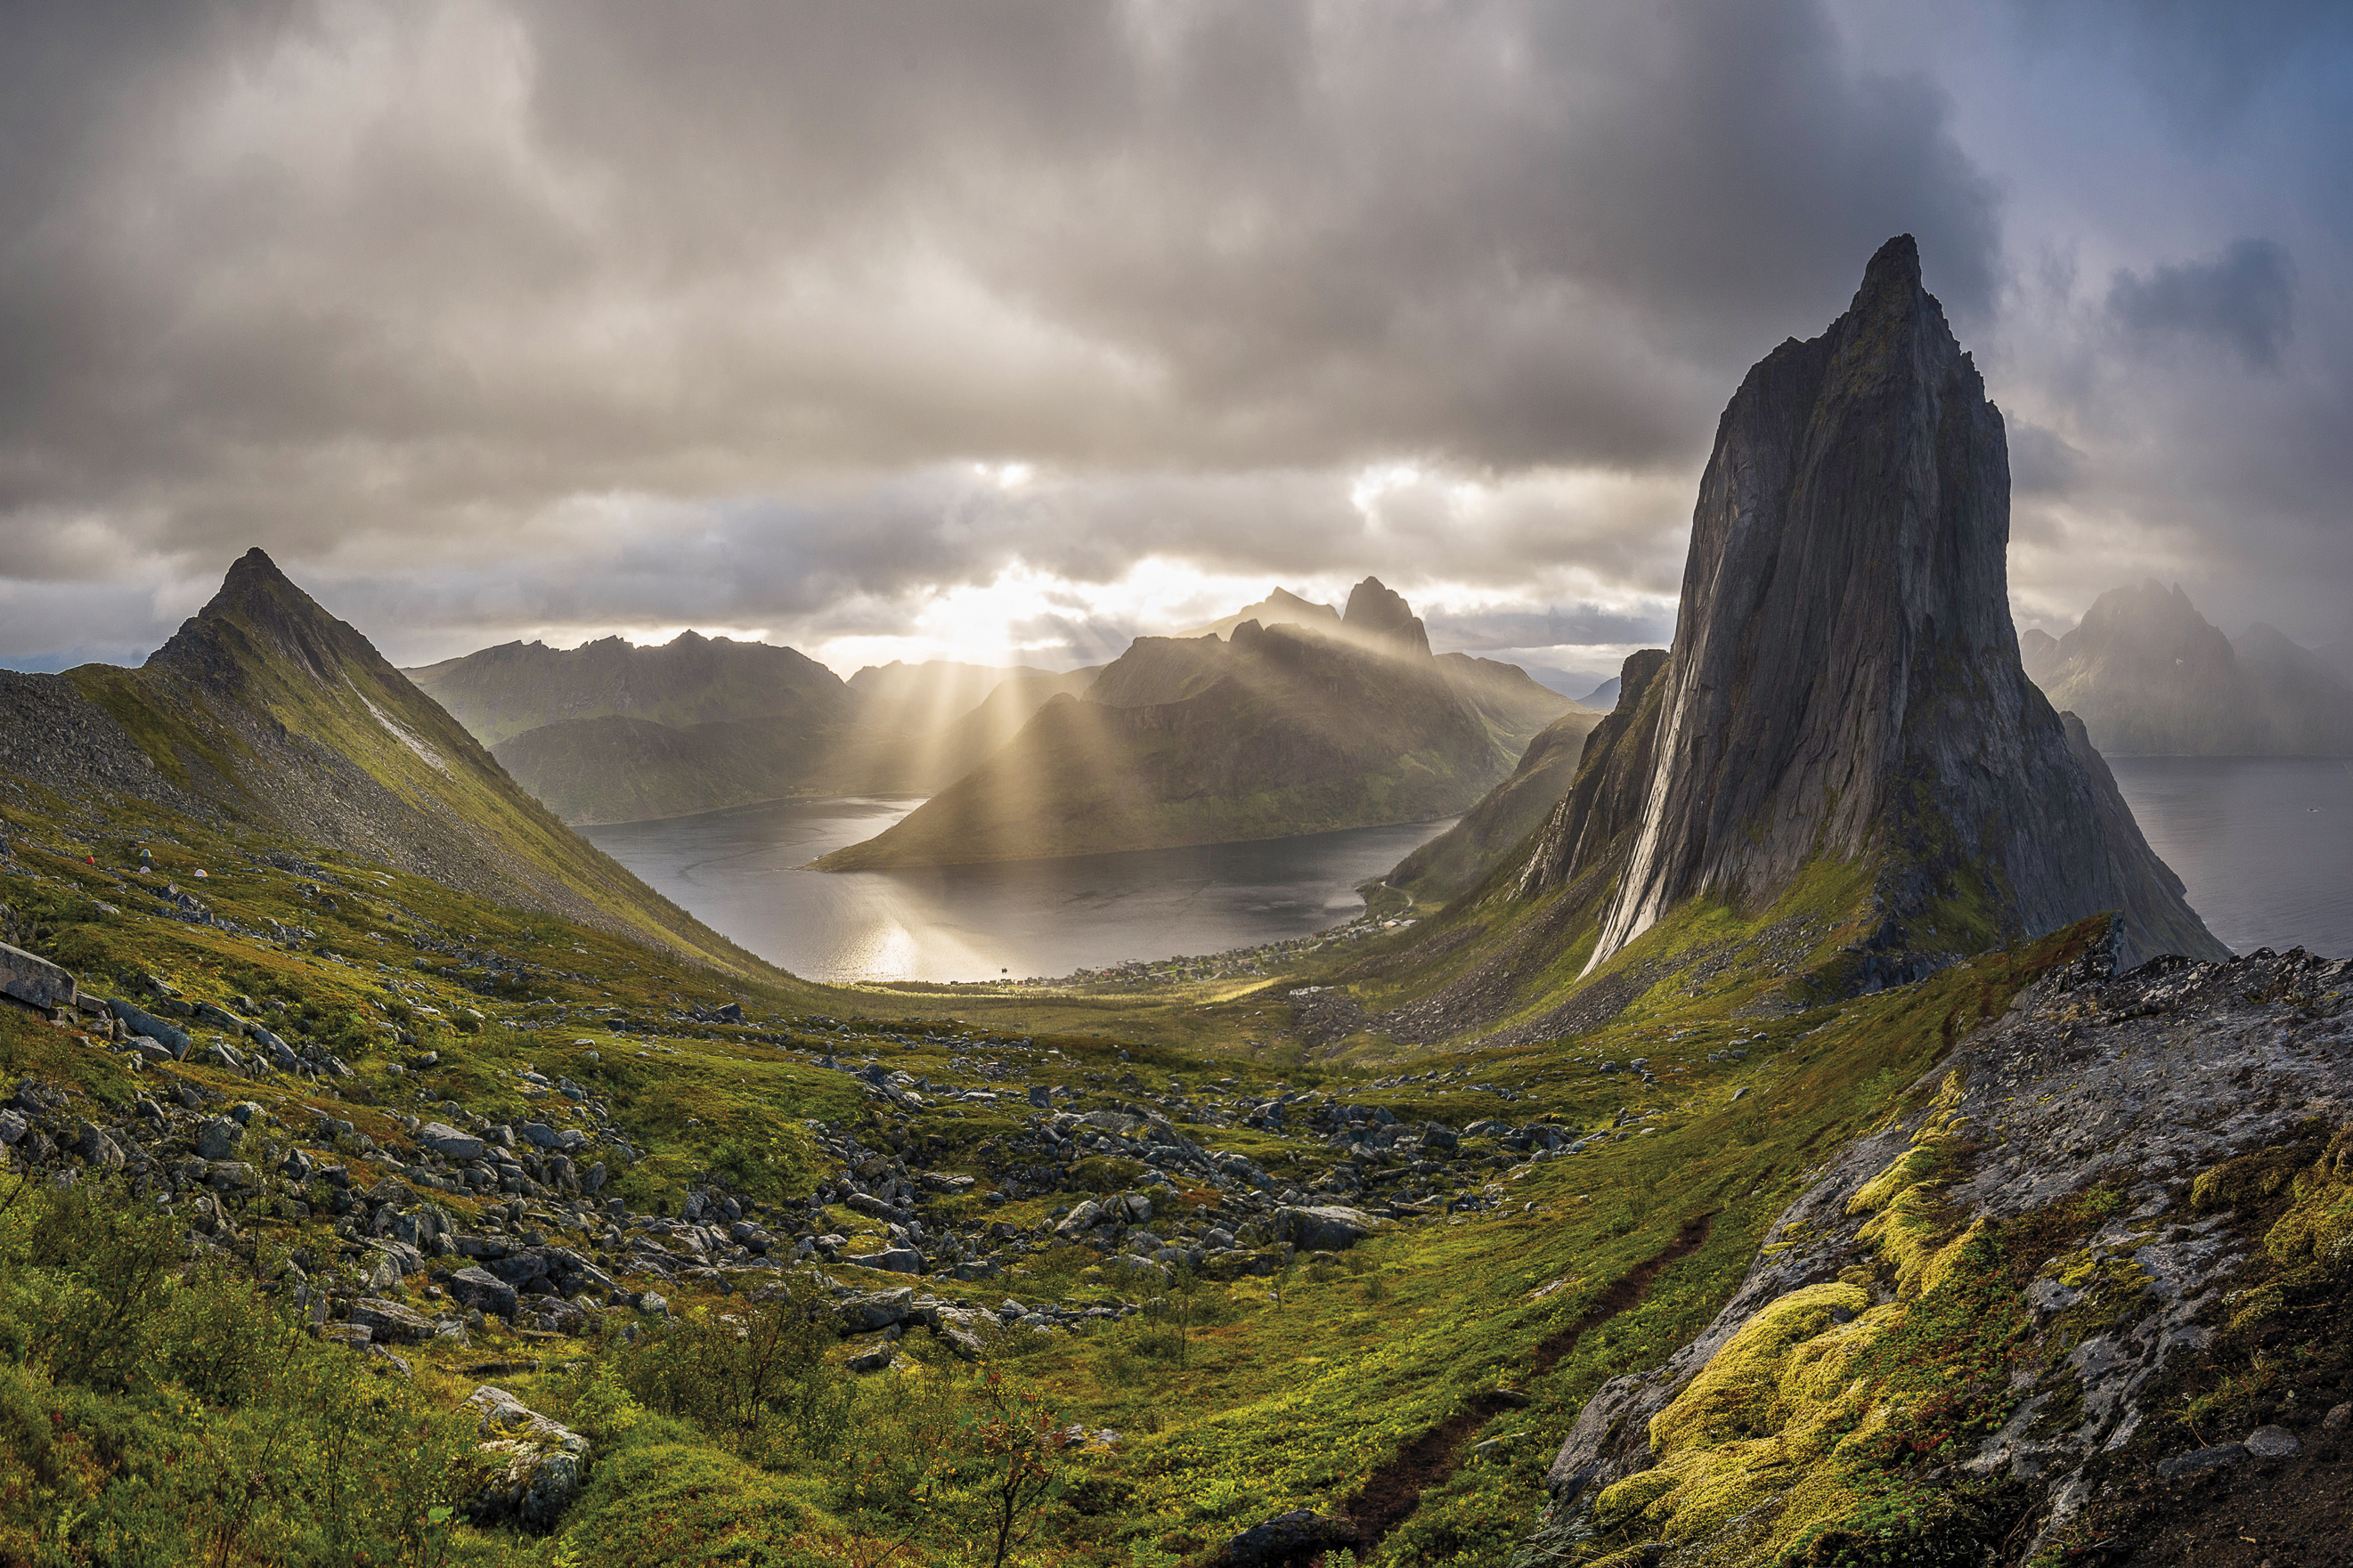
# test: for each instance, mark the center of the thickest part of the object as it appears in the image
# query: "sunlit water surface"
(739, 872)
(2263, 845)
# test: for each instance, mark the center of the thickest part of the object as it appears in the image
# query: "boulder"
(1324, 1229)
(281, 1054)
(1081, 1219)
(522, 1266)
(96, 1148)
(1287, 1536)
(541, 1464)
(2274, 1443)
(451, 1143)
(391, 1323)
(173, 1040)
(35, 982)
(482, 1291)
(892, 1259)
(876, 1310)
(2198, 1460)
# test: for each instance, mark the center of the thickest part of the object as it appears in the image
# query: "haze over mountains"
(2151, 676)
(614, 733)
(1302, 726)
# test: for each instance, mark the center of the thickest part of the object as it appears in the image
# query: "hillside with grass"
(265, 712)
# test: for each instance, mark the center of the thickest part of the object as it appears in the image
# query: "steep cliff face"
(1845, 679)
(1604, 804)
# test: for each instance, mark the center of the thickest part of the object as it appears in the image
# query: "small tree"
(1020, 1459)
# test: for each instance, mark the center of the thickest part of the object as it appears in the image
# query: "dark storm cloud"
(371, 285)
(2243, 300)
(494, 314)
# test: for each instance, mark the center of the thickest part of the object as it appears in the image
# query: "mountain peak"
(1379, 615)
(253, 569)
(259, 609)
(1894, 270)
(1845, 680)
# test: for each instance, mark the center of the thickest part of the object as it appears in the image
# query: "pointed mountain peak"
(1380, 614)
(1843, 638)
(252, 568)
(259, 606)
(253, 578)
(1894, 270)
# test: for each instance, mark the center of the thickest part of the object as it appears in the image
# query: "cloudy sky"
(1007, 330)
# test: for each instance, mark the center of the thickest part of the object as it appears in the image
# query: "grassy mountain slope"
(275, 713)
(1234, 1399)
(1194, 740)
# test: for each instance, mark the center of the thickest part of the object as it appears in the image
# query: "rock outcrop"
(1845, 679)
(2126, 1180)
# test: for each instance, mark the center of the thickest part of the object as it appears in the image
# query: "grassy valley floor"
(1534, 1220)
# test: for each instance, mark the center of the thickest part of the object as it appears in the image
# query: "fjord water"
(2265, 845)
(739, 871)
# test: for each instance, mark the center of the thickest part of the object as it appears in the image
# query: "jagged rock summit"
(1845, 679)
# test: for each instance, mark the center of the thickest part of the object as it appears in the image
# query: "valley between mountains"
(1803, 1122)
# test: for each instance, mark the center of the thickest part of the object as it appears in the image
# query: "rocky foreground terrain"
(2087, 1301)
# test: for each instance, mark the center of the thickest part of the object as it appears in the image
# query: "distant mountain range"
(1288, 717)
(1315, 722)
(609, 732)
(2149, 676)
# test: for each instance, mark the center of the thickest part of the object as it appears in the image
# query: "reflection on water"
(739, 872)
(2263, 845)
